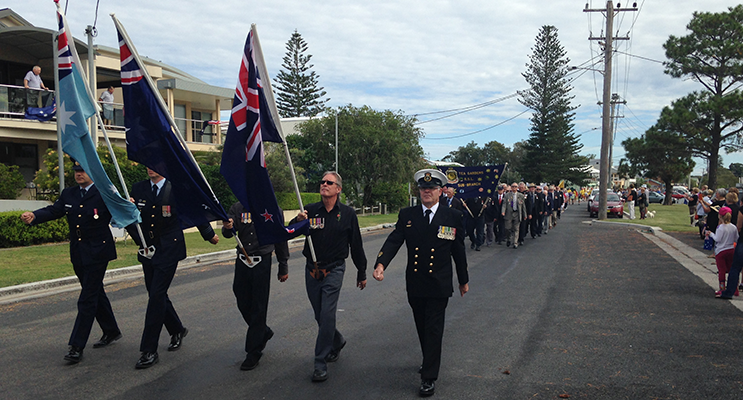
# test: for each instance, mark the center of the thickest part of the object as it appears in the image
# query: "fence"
(372, 210)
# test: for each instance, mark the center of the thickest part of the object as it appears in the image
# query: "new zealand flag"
(243, 163)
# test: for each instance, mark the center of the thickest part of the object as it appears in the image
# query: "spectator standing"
(642, 201)
(631, 198)
(692, 200)
(107, 102)
(725, 237)
(33, 81)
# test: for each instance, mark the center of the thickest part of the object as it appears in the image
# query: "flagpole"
(268, 91)
(60, 155)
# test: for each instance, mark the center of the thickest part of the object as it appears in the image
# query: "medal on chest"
(246, 219)
(317, 223)
(447, 232)
(95, 213)
(166, 212)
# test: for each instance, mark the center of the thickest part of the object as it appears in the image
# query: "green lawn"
(36, 263)
(674, 218)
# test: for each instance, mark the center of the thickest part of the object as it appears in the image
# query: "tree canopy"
(376, 149)
(712, 55)
(551, 152)
(298, 93)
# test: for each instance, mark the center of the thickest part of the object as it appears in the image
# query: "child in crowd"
(725, 239)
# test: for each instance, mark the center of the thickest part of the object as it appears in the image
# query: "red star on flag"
(267, 216)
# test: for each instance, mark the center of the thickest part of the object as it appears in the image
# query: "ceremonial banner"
(243, 164)
(473, 181)
(75, 107)
(152, 140)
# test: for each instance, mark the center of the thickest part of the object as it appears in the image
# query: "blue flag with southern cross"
(75, 107)
(473, 181)
(150, 140)
(243, 163)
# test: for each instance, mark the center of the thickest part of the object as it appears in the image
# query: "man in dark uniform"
(162, 229)
(500, 222)
(334, 229)
(538, 216)
(529, 206)
(474, 221)
(252, 283)
(434, 236)
(450, 201)
(91, 248)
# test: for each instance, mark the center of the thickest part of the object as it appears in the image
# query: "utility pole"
(614, 117)
(606, 131)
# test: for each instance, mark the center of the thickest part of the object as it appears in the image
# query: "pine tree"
(551, 153)
(297, 91)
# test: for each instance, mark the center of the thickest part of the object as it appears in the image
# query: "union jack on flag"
(243, 162)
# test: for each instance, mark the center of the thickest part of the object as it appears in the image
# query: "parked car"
(655, 197)
(614, 206)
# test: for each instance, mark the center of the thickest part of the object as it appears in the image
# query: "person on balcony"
(107, 102)
(33, 81)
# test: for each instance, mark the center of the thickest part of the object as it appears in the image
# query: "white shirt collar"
(433, 210)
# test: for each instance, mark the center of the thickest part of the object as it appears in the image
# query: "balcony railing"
(15, 100)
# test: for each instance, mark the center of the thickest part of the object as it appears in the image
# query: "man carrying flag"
(176, 197)
(89, 208)
(257, 216)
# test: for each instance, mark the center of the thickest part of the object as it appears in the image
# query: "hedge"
(14, 233)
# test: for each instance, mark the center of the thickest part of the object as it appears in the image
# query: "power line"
(464, 109)
(481, 130)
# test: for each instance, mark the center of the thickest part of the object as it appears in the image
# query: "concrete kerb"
(693, 260)
(12, 294)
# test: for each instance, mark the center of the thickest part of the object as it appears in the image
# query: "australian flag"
(75, 107)
(150, 140)
(243, 163)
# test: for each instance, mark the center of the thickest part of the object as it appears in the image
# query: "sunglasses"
(329, 183)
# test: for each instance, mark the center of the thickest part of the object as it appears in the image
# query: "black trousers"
(252, 287)
(160, 311)
(92, 304)
(500, 234)
(429, 313)
(535, 225)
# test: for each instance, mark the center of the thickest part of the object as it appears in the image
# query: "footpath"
(690, 258)
(12, 294)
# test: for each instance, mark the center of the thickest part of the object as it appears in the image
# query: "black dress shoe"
(477, 248)
(319, 376)
(147, 360)
(334, 355)
(266, 337)
(508, 244)
(427, 388)
(106, 340)
(251, 361)
(177, 340)
(74, 355)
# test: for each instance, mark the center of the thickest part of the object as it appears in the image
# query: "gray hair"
(338, 179)
(721, 192)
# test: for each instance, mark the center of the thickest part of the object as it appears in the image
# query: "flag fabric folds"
(243, 163)
(474, 181)
(75, 107)
(151, 140)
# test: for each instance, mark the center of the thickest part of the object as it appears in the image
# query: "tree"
(659, 153)
(11, 182)
(552, 148)
(711, 54)
(297, 91)
(375, 148)
(736, 169)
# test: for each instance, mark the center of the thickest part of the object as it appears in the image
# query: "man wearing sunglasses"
(434, 235)
(334, 229)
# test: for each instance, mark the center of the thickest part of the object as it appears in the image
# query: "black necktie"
(82, 192)
(154, 191)
(428, 216)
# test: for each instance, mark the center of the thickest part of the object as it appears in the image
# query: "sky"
(417, 57)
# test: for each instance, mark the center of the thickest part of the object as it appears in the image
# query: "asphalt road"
(588, 311)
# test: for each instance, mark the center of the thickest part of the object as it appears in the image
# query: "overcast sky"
(415, 56)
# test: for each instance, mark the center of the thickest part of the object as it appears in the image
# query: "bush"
(14, 233)
(11, 182)
(288, 201)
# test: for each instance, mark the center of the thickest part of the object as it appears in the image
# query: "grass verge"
(673, 218)
(37, 263)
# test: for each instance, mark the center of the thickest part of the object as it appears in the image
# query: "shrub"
(14, 233)
(11, 182)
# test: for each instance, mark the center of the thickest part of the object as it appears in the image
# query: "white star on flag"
(65, 117)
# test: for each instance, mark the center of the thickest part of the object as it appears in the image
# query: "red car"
(614, 206)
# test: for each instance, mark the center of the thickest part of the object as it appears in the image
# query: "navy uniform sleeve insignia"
(380, 254)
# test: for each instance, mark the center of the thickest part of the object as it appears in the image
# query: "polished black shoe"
(508, 244)
(477, 248)
(319, 376)
(251, 361)
(427, 388)
(106, 340)
(177, 340)
(334, 355)
(147, 360)
(74, 355)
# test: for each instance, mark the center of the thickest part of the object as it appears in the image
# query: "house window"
(179, 111)
(198, 123)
